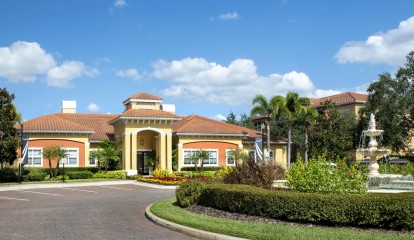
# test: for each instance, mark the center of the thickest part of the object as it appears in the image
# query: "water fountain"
(376, 180)
(373, 152)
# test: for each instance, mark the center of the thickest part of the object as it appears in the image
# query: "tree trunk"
(50, 168)
(306, 145)
(289, 147)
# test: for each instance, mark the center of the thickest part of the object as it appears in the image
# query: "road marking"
(18, 199)
(80, 190)
(52, 194)
(128, 189)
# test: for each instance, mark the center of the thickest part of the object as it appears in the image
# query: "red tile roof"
(94, 124)
(54, 123)
(341, 99)
(198, 125)
(144, 96)
(98, 122)
(145, 114)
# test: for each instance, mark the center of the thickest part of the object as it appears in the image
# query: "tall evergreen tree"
(331, 136)
(8, 118)
(391, 99)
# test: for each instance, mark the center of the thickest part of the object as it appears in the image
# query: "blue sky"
(208, 57)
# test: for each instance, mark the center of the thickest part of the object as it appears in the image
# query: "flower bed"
(162, 180)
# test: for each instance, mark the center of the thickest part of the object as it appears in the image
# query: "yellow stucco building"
(146, 126)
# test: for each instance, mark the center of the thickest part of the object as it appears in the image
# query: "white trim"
(198, 164)
(31, 160)
(77, 158)
(146, 129)
(227, 153)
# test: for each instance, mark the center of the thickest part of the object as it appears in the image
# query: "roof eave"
(211, 134)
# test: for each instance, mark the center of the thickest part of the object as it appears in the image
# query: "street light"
(64, 160)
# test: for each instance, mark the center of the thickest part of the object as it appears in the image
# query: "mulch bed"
(213, 212)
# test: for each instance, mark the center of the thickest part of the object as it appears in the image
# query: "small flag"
(25, 145)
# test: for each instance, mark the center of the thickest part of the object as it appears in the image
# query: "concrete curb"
(193, 232)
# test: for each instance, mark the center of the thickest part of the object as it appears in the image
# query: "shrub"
(204, 169)
(162, 173)
(79, 174)
(35, 176)
(118, 174)
(162, 180)
(8, 175)
(260, 174)
(191, 174)
(391, 211)
(78, 169)
(188, 193)
(319, 175)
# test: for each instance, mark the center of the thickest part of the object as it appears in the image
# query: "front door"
(142, 169)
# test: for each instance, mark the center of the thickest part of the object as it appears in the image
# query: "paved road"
(82, 212)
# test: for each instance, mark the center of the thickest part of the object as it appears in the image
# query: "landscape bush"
(204, 169)
(192, 174)
(8, 175)
(372, 210)
(117, 174)
(189, 192)
(35, 176)
(162, 173)
(78, 174)
(320, 175)
(259, 174)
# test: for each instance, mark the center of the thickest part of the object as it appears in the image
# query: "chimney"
(68, 106)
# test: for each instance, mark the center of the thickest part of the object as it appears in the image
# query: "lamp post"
(262, 128)
(21, 150)
(64, 160)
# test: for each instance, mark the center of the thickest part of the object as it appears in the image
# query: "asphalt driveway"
(82, 212)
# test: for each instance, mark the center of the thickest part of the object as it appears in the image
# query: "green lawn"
(167, 209)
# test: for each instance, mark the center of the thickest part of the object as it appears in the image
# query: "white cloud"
(229, 16)
(63, 75)
(23, 61)
(220, 117)
(390, 47)
(320, 93)
(92, 107)
(199, 80)
(120, 3)
(130, 73)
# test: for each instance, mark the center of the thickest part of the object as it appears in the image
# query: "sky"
(208, 57)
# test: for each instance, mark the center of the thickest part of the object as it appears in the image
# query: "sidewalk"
(80, 184)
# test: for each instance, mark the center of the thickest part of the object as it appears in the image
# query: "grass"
(167, 209)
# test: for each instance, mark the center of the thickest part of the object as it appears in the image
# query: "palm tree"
(238, 155)
(202, 155)
(109, 152)
(264, 108)
(60, 153)
(290, 107)
(49, 152)
(308, 118)
(97, 155)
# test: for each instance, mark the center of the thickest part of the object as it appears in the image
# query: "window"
(212, 160)
(230, 161)
(91, 160)
(35, 157)
(72, 158)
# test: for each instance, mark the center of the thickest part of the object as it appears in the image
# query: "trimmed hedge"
(8, 175)
(390, 211)
(35, 176)
(204, 168)
(78, 174)
(192, 174)
(117, 174)
(78, 169)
